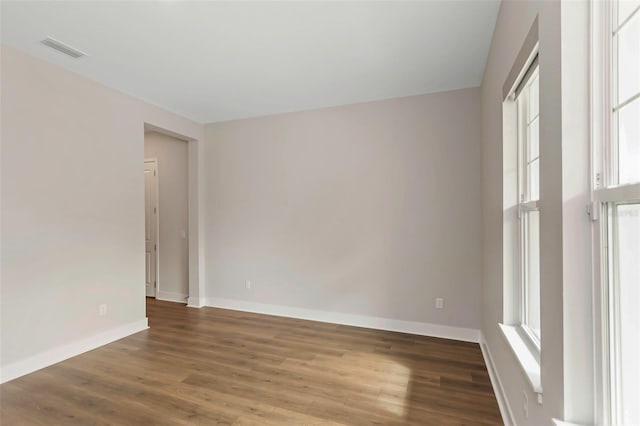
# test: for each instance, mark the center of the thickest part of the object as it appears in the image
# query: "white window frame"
(526, 203)
(605, 194)
(522, 343)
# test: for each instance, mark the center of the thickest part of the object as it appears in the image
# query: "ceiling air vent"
(63, 48)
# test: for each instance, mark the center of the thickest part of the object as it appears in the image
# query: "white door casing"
(151, 226)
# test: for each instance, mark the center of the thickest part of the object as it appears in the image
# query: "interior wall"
(173, 243)
(72, 205)
(514, 21)
(566, 357)
(370, 209)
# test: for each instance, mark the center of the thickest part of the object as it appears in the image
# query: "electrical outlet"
(248, 284)
(439, 303)
(525, 404)
(102, 309)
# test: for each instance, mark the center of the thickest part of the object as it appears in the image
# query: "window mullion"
(617, 194)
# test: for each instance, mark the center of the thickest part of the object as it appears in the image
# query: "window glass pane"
(533, 140)
(533, 180)
(629, 143)
(532, 258)
(628, 254)
(533, 98)
(625, 7)
(629, 59)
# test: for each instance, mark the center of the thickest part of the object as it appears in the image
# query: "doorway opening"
(166, 171)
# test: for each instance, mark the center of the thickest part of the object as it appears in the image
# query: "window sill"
(526, 358)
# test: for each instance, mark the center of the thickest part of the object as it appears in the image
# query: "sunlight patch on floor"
(395, 379)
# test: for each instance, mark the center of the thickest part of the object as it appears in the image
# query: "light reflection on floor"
(394, 395)
(394, 379)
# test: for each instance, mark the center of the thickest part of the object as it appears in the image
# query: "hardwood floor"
(213, 366)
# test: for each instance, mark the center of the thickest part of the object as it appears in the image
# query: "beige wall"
(370, 209)
(566, 359)
(72, 205)
(173, 248)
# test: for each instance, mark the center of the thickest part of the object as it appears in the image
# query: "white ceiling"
(215, 61)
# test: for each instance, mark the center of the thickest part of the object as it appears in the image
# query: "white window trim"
(522, 342)
(604, 193)
(617, 194)
(528, 356)
(599, 74)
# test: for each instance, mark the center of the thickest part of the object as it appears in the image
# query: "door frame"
(195, 172)
(154, 160)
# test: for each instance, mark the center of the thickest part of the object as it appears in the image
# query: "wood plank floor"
(213, 366)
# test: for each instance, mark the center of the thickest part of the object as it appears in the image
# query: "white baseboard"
(412, 327)
(170, 296)
(503, 403)
(60, 353)
(195, 302)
